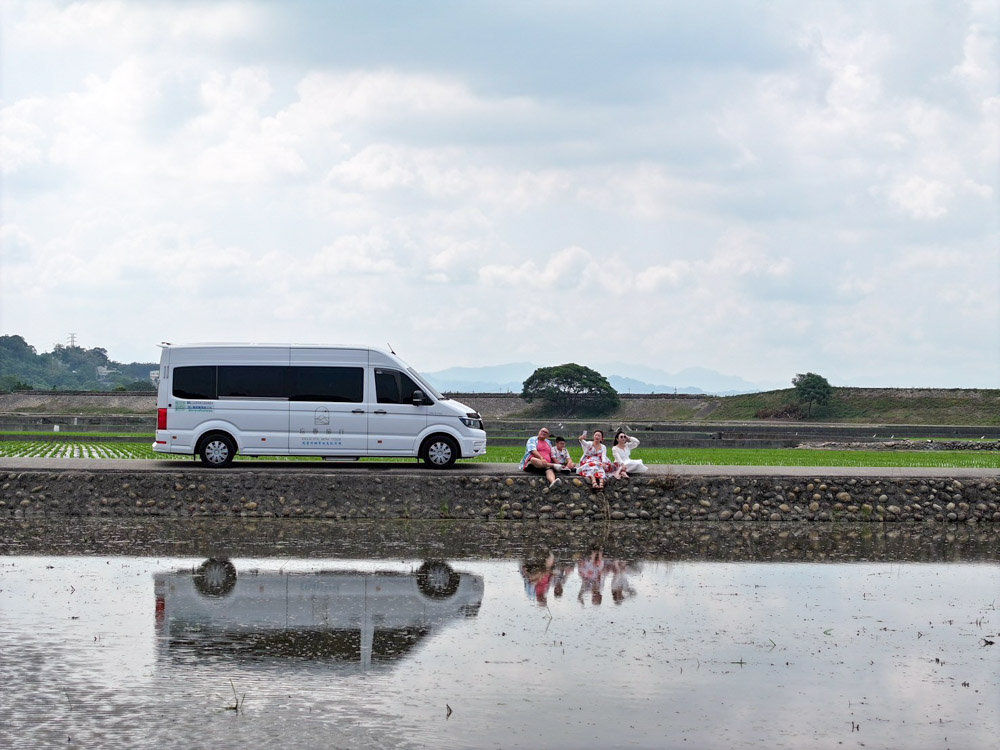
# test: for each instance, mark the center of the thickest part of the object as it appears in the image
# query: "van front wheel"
(440, 452)
(217, 450)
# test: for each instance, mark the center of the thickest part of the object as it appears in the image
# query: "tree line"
(569, 389)
(576, 390)
(68, 368)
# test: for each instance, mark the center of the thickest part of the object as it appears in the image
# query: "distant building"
(154, 377)
(103, 373)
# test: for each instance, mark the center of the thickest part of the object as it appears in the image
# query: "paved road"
(468, 468)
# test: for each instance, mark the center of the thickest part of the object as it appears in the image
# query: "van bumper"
(475, 446)
(184, 450)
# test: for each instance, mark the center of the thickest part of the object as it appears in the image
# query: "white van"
(217, 400)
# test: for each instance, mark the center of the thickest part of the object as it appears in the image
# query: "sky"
(757, 188)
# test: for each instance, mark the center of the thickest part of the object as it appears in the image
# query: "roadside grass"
(512, 455)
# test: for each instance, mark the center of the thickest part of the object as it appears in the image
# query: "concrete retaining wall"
(194, 493)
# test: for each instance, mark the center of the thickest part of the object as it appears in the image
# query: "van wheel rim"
(437, 578)
(439, 453)
(215, 576)
(216, 452)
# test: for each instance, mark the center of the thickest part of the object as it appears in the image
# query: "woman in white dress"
(622, 451)
(594, 464)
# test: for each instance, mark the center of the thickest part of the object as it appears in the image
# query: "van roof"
(237, 345)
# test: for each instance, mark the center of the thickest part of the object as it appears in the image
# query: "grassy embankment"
(512, 454)
(876, 406)
(913, 406)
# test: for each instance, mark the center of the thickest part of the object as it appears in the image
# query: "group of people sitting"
(542, 457)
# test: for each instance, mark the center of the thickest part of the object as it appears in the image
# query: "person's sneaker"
(555, 481)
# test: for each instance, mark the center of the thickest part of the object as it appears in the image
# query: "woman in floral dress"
(594, 464)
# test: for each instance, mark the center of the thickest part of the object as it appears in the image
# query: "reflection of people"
(537, 575)
(594, 464)
(538, 456)
(559, 576)
(620, 586)
(560, 456)
(622, 451)
(591, 572)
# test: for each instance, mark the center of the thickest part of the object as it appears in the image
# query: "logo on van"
(180, 405)
(321, 416)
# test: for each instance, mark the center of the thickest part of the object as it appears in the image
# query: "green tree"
(812, 388)
(65, 368)
(571, 388)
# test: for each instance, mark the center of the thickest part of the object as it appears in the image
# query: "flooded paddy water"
(284, 634)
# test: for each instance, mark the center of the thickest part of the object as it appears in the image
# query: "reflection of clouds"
(680, 645)
(662, 670)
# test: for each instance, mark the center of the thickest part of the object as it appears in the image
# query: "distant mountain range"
(624, 378)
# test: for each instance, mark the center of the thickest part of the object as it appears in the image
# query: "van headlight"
(475, 424)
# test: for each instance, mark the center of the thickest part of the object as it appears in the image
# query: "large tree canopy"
(571, 389)
(810, 388)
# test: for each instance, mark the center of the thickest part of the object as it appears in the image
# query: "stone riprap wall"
(343, 496)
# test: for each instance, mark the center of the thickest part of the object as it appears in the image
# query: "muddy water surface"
(503, 647)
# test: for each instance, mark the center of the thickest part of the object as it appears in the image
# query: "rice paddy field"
(512, 455)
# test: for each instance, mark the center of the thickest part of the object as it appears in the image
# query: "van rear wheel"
(217, 450)
(437, 580)
(440, 452)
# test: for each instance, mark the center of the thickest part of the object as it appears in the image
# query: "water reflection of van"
(355, 618)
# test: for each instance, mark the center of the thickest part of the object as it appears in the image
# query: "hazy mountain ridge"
(624, 378)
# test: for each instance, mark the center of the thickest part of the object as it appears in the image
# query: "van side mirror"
(418, 397)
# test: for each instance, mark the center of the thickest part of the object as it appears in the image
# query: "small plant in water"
(237, 701)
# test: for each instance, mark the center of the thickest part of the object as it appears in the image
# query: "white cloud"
(570, 264)
(978, 69)
(368, 255)
(115, 22)
(23, 138)
(921, 198)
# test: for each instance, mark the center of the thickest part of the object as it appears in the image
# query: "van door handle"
(379, 411)
(358, 411)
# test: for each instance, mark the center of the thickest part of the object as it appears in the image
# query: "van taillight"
(161, 419)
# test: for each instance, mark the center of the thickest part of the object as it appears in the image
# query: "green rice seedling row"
(787, 457)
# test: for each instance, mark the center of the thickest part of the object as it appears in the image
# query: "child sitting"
(560, 456)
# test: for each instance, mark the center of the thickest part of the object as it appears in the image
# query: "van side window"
(337, 384)
(194, 382)
(407, 387)
(394, 387)
(387, 386)
(255, 381)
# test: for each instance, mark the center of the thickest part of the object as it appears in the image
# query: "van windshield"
(430, 389)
